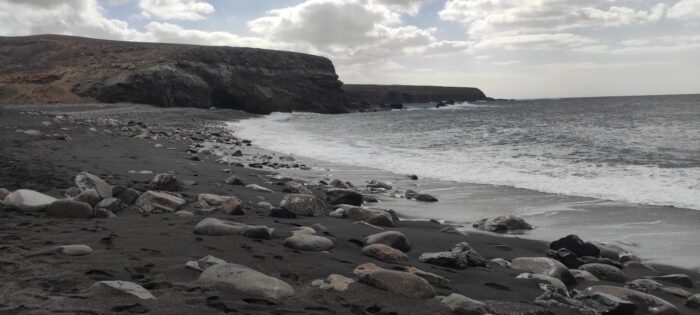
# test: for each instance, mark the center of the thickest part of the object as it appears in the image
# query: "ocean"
(559, 162)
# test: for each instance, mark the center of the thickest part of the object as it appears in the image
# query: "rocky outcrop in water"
(394, 95)
(52, 68)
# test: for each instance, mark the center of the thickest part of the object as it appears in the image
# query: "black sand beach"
(151, 249)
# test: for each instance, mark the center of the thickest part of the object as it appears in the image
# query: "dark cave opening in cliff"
(222, 98)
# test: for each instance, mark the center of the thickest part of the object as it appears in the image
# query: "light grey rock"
(428, 276)
(547, 283)
(73, 250)
(501, 262)
(305, 239)
(216, 227)
(265, 205)
(165, 182)
(67, 208)
(693, 301)
(246, 280)
(127, 195)
(676, 291)
(159, 202)
(394, 239)
(605, 272)
(399, 282)
(72, 192)
(384, 253)
(89, 196)
(113, 205)
(259, 188)
(306, 205)
(333, 282)
(184, 213)
(234, 180)
(212, 199)
(503, 224)
(645, 303)
(583, 276)
(85, 180)
(379, 218)
(293, 187)
(28, 200)
(644, 285)
(460, 256)
(204, 262)
(109, 288)
(679, 279)
(545, 266)
(462, 305)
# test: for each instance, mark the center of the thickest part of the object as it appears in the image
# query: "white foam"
(483, 165)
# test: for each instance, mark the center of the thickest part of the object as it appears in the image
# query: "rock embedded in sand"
(109, 288)
(644, 303)
(216, 227)
(369, 216)
(67, 208)
(305, 239)
(384, 253)
(337, 183)
(425, 198)
(500, 262)
(85, 180)
(259, 188)
(545, 266)
(127, 195)
(565, 256)
(410, 194)
(547, 283)
(3, 193)
(113, 205)
(462, 305)
(282, 213)
(333, 282)
(306, 205)
(693, 301)
(502, 224)
(234, 180)
(394, 239)
(212, 199)
(377, 184)
(460, 256)
(159, 202)
(73, 250)
(246, 280)
(293, 187)
(232, 206)
(576, 245)
(605, 272)
(28, 200)
(583, 276)
(165, 182)
(337, 196)
(204, 262)
(399, 282)
(679, 279)
(428, 276)
(89, 196)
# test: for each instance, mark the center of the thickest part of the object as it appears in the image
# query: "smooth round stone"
(246, 280)
(74, 250)
(583, 276)
(28, 200)
(605, 272)
(67, 208)
(394, 239)
(108, 288)
(384, 253)
(306, 240)
(399, 282)
(646, 303)
(545, 266)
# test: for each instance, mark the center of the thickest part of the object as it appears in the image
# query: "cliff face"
(387, 94)
(51, 68)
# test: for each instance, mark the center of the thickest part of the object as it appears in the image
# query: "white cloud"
(685, 9)
(535, 41)
(176, 9)
(407, 6)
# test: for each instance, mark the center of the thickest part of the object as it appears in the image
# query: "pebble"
(333, 282)
(259, 188)
(73, 250)
(109, 288)
(216, 227)
(305, 239)
(28, 200)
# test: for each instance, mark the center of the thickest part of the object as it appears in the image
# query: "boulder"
(425, 198)
(384, 253)
(399, 282)
(85, 180)
(693, 301)
(305, 239)
(394, 239)
(246, 280)
(644, 303)
(337, 196)
(259, 188)
(234, 180)
(306, 205)
(337, 183)
(113, 205)
(545, 266)
(159, 202)
(500, 262)
(212, 199)
(583, 276)
(605, 272)
(165, 182)
(377, 184)
(460, 256)
(462, 305)
(282, 213)
(89, 196)
(576, 245)
(28, 200)
(610, 251)
(127, 195)
(73, 250)
(679, 279)
(369, 216)
(333, 282)
(3, 193)
(293, 187)
(503, 224)
(216, 227)
(204, 262)
(428, 276)
(67, 208)
(232, 206)
(109, 288)
(565, 256)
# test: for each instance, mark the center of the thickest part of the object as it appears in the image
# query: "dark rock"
(545, 266)
(574, 244)
(337, 196)
(413, 177)
(426, 198)
(235, 180)
(693, 302)
(599, 260)
(89, 196)
(306, 205)
(502, 224)
(565, 256)
(644, 303)
(127, 195)
(233, 206)
(69, 209)
(679, 279)
(603, 303)
(292, 187)
(394, 239)
(337, 183)
(166, 182)
(369, 198)
(113, 205)
(605, 272)
(460, 256)
(378, 184)
(369, 216)
(410, 194)
(282, 213)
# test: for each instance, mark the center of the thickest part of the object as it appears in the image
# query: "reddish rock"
(233, 206)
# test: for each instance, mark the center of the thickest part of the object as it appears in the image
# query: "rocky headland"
(398, 94)
(110, 209)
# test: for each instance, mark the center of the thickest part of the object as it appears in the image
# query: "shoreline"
(152, 249)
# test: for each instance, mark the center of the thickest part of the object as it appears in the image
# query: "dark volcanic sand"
(151, 250)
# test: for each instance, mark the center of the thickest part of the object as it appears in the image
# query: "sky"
(508, 48)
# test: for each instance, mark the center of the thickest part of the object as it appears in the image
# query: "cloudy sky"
(509, 48)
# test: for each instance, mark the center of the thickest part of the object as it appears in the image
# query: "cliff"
(52, 68)
(387, 94)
